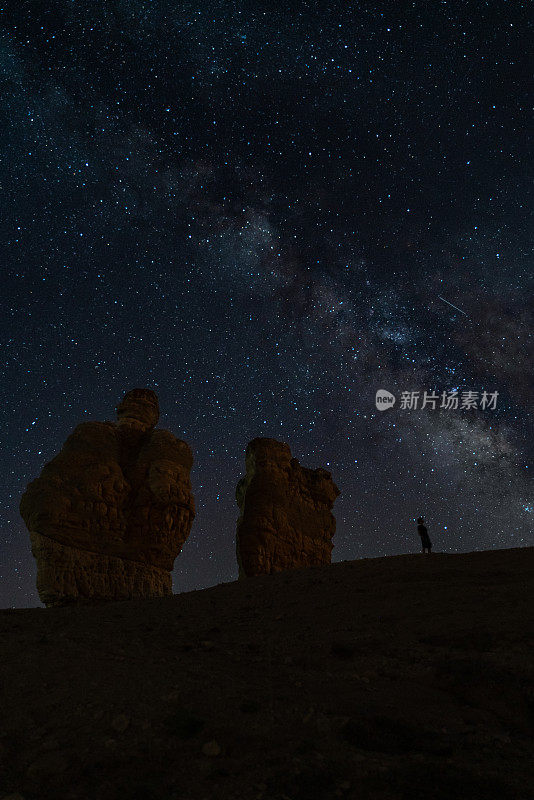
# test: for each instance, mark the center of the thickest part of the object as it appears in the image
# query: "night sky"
(262, 212)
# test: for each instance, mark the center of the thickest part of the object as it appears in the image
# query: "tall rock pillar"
(286, 519)
(110, 513)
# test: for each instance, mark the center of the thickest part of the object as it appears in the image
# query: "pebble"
(323, 723)
(46, 766)
(50, 744)
(211, 748)
(110, 744)
(120, 723)
(207, 645)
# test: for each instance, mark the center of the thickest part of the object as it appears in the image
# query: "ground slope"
(407, 677)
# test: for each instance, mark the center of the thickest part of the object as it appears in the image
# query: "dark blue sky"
(257, 213)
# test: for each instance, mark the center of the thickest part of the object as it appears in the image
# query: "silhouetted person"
(426, 544)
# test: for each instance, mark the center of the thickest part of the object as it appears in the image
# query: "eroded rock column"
(286, 519)
(110, 513)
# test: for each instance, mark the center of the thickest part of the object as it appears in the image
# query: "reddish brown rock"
(286, 520)
(110, 513)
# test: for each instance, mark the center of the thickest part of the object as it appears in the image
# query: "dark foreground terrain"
(391, 678)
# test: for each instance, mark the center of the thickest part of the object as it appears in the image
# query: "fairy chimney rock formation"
(286, 519)
(110, 513)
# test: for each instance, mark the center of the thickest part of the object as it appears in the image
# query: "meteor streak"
(452, 306)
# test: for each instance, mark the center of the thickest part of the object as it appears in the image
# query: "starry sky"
(266, 213)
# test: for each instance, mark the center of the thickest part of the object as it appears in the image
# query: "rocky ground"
(400, 678)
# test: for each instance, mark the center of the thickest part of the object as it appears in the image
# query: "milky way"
(257, 213)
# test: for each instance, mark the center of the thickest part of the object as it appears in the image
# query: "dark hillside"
(400, 678)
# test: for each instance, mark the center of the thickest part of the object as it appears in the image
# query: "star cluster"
(257, 211)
